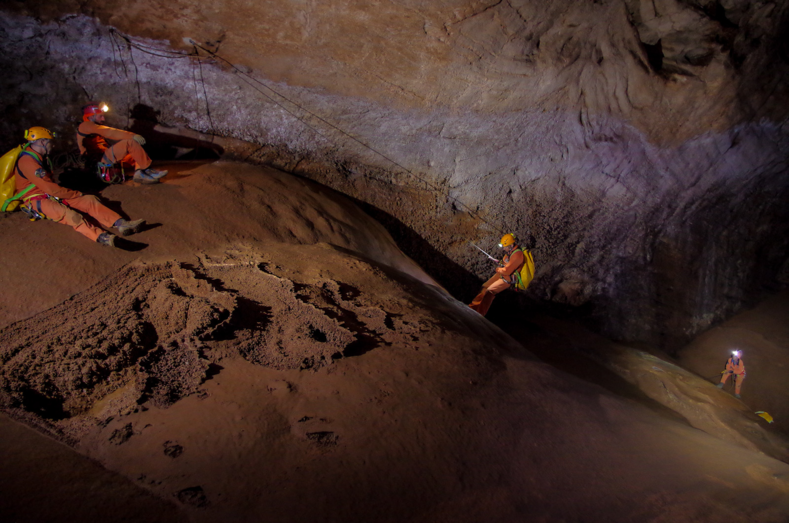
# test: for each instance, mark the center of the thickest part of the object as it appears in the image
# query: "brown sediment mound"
(139, 326)
(281, 372)
(148, 326)
(224, 206)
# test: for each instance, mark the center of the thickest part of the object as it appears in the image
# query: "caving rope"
(256, 84)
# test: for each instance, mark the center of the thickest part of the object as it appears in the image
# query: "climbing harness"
(32, 204)
(34, 214)
(110, 173)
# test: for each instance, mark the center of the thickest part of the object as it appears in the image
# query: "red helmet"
(93, 109)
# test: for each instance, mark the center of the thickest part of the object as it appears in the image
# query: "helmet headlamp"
(93, 109)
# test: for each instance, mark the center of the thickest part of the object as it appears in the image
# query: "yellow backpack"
(8, 200)
(7, 185)
(524, 276)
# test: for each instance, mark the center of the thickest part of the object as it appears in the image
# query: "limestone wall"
(642, 145)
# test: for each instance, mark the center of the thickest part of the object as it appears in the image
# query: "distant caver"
(735, 367)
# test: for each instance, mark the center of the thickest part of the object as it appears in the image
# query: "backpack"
(524, 276)
(8, 199)
(8, 164)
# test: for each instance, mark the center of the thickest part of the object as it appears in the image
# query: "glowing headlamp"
(501, 246)
(736, 353)
(104, 108)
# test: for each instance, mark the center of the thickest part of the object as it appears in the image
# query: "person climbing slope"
(507, 274)
(734, 366)
(92, 137)
(43, 198)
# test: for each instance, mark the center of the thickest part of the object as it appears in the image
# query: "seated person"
(43, 198)
(94, 138)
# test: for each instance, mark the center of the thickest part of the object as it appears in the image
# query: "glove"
(139, 139)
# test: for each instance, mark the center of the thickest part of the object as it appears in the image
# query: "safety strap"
(27, 152)
(17, 196)
(40, 161)
(515, 276)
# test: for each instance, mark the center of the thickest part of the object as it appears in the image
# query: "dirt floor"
(264, 352)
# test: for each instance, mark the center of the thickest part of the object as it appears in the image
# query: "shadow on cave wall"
(460, 283)
(169, 146)
(509, 308)
(160, 146)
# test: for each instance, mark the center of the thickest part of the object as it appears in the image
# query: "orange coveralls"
(124, 150)
(738, 369)
(58, 212)
(499, 282)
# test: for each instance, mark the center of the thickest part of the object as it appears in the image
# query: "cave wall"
(642, 145)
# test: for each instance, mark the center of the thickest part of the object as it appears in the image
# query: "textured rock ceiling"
(643, 144)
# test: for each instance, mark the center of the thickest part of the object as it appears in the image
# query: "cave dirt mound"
(199, 207)
(146, 330)
(285, 362)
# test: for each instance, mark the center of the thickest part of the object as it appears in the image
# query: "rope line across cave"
(254, 83)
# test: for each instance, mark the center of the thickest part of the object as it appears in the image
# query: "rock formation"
(641, 144)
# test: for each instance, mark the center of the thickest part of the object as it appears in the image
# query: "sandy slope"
(43, 480)
(271, 356)
(763, 335)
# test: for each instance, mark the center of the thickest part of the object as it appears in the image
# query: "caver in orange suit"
(42, 196)
(31, 169)
(126, 149)
(92, 141)
(504, 278)
(734, 366)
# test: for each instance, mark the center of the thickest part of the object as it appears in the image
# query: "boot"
(154, 173)
(106, 238)
(719, 385)
(127, 228)
(144, 178)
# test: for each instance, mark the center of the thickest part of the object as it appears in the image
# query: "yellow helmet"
(37, 133)
(507, 240)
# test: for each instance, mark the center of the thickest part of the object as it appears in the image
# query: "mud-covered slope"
(226, 205)
(763, 336)
(642, 144)
(244, 373)
(652, 378)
